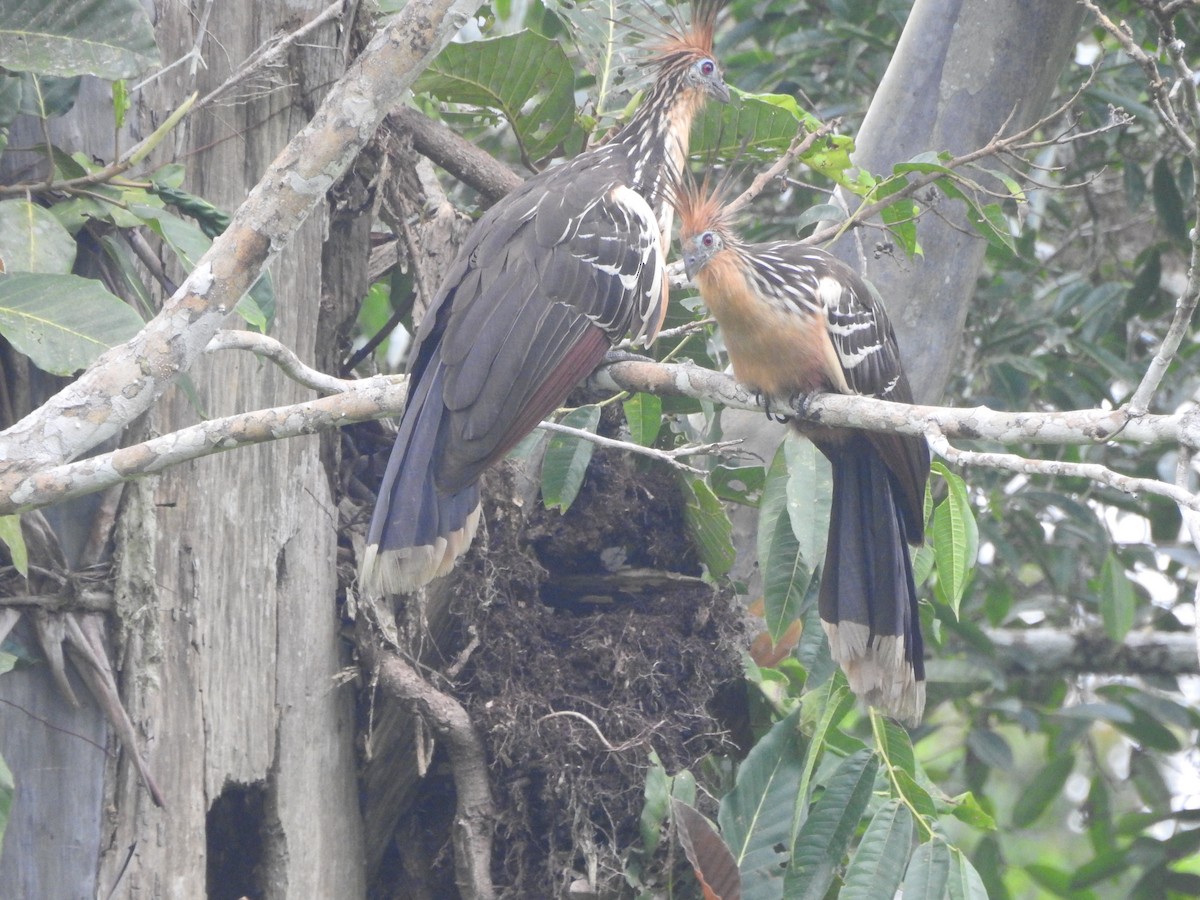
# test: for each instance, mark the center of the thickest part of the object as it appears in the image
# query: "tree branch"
(475, 811)
(125, 381)
(1045, 650)
(383, 396)
(460, 158)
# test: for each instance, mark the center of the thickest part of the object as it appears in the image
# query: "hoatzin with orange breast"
(546, 282)
(797, 320)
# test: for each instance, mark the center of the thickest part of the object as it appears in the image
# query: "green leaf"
(110, 39)
(785, 573)
(1117, 600)
(525, 76)
(7, 790)
(10, 535)
(955, 539)
(32, 240)
(1042, 791)
(756, 125)
(657, 795)
(121, 102)
(831, 823)
(878, 864)
(928, 872)
(567, 459)
(964, 882)
(896, 745)
(756, 816)
(62, 322)
(822, 212)
(967, 809)
(1168, 201)
(45, 97)
(821, 711)
(643, 412)
(708, 525)
(809, 497)
(739, 484)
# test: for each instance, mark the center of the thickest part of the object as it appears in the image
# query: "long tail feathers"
(417, 532)
(868, 601)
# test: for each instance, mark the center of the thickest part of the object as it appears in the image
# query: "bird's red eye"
(707, 67)
(708, 239)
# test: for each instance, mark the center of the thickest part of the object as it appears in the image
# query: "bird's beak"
(691, 265)
(720, 92)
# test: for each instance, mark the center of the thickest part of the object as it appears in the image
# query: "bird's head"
(705, 222)
(699, 248)
(689, 52)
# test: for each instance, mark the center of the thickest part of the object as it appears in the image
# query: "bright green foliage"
(62, 322)
(110, 39)
(708, 526)
(11, 537)
(567, 459)
(525, 77)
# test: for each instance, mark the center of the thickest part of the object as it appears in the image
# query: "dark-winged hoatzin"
(546, 282)
(797, 320)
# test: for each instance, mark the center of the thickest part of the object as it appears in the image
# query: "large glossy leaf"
(878, 864)
(524, 76)
(756, 124)
(32, 240)
(756, 816)
(107, 38)
(785, 572)
(809, 497)
(928, 873)
(964, 882)
(567, 459)
(831, 823)
(709, 525)
(643, 413)
(1117, 600)
(62, 322)
(955, 539)
(45, 96)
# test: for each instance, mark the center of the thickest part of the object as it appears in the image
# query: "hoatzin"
(797, 320)
(546, 282)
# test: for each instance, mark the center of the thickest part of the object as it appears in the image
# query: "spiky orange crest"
(694, 38)
(702, 206)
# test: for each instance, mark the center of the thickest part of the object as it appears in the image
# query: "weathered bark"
(227, 625)
(231, 663)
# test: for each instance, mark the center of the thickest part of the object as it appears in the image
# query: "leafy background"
(1054, 784)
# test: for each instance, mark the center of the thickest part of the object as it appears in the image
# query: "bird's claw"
(765, 402)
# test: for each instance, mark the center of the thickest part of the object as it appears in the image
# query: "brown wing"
(866, 348)
(560, 274)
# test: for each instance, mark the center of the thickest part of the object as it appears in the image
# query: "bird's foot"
(616, 356)
(764, 401)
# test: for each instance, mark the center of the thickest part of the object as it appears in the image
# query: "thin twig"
(670, 457)
(1091, 471)
(269, 52)
(800, 145)
(282, 356)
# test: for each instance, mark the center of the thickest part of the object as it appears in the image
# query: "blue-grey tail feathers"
(868, 601)
(417, 532)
